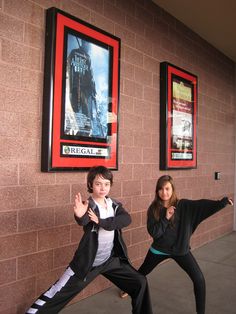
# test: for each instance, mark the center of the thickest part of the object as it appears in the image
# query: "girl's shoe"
(123, 294)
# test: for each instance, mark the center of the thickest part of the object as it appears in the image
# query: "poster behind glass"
(178, 118)
(81, 95)
(87, 90)
(182, 120)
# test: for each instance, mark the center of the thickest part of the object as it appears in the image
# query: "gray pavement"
(171, 289)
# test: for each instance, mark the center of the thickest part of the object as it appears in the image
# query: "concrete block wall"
(37, 233)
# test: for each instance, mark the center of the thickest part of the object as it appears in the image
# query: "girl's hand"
(170, 212)
(230, 201)
(93, 217)
(80, 207)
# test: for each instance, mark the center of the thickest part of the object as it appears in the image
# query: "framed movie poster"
(178, 122)
(81, 95)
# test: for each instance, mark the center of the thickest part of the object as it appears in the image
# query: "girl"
(171, 222)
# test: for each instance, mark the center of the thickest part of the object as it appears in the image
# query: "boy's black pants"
(119, 272)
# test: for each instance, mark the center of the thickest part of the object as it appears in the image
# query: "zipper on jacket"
(121, 244)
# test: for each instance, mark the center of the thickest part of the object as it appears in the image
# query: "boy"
(100, 251)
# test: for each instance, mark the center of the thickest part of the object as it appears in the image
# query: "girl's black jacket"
(174, 238)
(85, 254)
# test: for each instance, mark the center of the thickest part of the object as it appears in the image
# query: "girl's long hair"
(157, 203)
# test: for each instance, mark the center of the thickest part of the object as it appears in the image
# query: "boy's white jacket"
(85, 254)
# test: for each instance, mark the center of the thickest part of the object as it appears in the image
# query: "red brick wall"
(37, 233)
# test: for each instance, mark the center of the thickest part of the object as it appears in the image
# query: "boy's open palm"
(80, 207)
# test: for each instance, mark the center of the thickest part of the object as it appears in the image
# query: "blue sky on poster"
(100, 65)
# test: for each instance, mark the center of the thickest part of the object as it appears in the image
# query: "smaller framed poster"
(81, 95)
(178, 118)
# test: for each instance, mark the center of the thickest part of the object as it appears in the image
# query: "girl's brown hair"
(157, 203)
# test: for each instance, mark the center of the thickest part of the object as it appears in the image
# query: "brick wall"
(37, 233)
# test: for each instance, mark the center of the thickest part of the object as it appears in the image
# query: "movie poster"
(182, 121)
(81, 95)
(86, 90)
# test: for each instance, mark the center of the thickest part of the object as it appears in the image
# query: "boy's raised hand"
(80, 207)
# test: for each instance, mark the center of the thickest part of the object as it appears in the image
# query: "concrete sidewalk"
(171, 289)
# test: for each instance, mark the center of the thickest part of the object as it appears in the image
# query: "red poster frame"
(178, 111)
(77, 150)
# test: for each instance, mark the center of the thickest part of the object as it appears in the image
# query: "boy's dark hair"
(100, 171)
